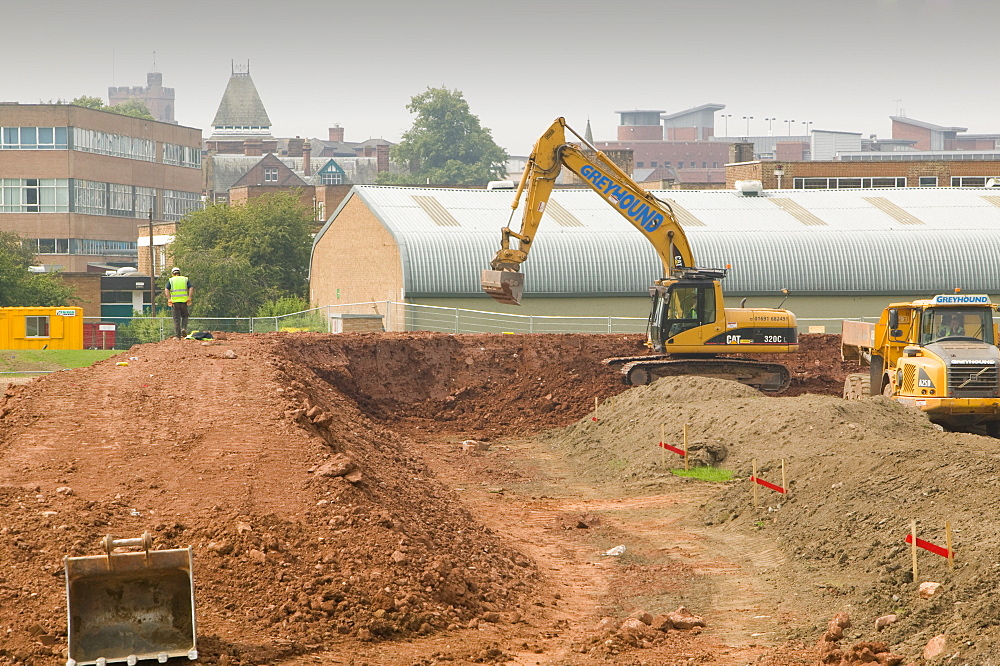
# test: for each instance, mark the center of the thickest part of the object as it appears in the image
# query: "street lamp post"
(789, 123)
(769, 121)
(748, 119)
(726, 117)
(807, 123)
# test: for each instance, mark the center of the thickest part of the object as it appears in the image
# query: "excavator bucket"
(129, 606)
(503, 286)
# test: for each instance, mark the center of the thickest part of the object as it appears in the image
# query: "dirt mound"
(244, 459)
(619, 440)
(858, 473)
(481, 385)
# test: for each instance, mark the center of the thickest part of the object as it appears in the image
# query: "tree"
(242, 256)
(89, 102)
(133, 107)
(446, 145)
(21, 287)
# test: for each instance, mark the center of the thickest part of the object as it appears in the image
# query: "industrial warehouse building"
(840, 253)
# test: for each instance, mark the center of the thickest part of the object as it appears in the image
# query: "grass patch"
(14, 360)
(617, 464)
(713, 474)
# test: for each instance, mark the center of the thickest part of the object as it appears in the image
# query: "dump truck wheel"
(887, 390)
(857, 386)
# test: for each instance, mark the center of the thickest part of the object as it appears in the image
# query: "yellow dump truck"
(939, 355)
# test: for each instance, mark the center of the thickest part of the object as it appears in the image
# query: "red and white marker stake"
(915, 543)
(756, 481)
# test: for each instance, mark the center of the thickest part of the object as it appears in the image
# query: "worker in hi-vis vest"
(179, 292)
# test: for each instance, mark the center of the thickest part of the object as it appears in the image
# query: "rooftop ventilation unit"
(749, 188)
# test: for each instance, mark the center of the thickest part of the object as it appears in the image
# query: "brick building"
(846, 174)
(272, 174)
(701, 162)
(76, 181)
(687, 155)
(640, 125)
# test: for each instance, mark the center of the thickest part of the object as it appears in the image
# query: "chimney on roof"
(381, 157)
(337, 133)
(306, 158)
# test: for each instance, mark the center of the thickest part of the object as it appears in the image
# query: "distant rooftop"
(241, 107)
(695, 109)
(930, 126)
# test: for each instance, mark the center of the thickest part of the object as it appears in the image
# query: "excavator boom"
(652, 217)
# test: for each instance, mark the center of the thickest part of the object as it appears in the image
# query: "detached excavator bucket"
(129, 606)
(503, 286)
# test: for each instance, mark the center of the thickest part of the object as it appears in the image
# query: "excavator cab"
(680, 306)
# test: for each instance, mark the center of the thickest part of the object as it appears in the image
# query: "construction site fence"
(123, 333)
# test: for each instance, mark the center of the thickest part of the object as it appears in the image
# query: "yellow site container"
(41, 328)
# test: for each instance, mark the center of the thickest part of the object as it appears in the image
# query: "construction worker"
(951, 327)
(179, 292)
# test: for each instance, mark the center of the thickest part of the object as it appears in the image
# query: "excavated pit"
(292, 468)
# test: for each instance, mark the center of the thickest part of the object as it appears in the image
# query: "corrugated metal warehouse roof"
(876, 241)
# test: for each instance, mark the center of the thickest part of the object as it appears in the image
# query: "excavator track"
(767, 377)
(619, 361)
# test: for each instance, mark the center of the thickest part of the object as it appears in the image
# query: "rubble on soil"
(288, 467)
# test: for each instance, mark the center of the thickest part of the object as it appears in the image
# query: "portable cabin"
(41, 328)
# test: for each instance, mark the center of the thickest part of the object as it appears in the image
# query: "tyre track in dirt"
(721, 572)
(142, 414)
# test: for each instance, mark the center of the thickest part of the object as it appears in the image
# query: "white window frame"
(36, 320)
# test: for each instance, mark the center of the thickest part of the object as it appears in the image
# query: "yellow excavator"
(689, 325)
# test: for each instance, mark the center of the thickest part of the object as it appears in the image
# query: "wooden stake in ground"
(685, 446)
(913, 550)
(753, 482)
(663, 451)
(784, 479)
(947, 544)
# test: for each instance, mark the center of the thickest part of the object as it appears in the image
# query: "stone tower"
(159, 100)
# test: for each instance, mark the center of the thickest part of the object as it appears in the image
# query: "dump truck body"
(937, 355)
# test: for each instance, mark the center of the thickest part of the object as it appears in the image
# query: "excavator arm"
(689, 324)
(651, 216)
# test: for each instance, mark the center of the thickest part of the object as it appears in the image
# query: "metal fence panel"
(403, 317)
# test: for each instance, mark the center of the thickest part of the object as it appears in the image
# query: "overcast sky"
(845, 65)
